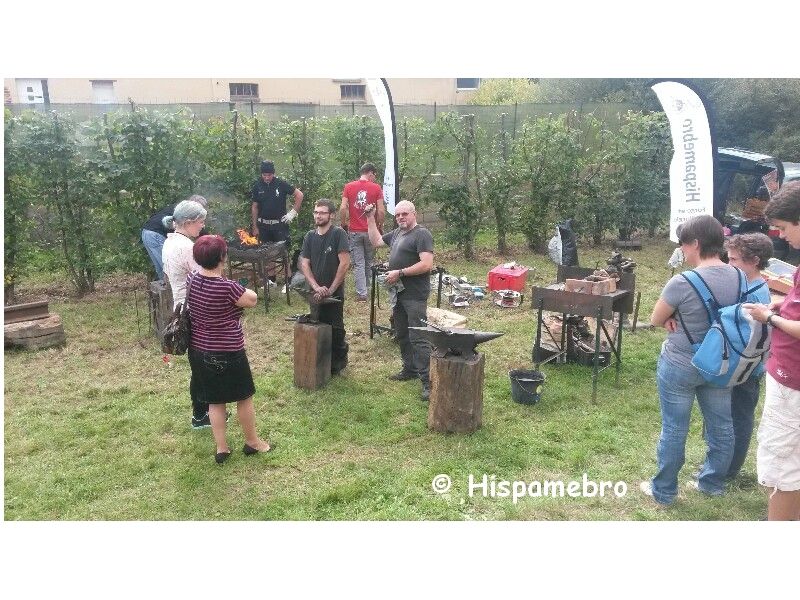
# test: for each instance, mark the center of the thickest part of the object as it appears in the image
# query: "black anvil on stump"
(457, 374)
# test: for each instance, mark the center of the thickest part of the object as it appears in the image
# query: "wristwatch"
(769, 319)
(400, 272)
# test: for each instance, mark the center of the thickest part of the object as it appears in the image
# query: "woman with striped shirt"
(216, 351)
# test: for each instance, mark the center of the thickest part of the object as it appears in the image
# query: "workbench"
(554, 298)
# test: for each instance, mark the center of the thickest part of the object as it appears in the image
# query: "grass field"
(99, 430)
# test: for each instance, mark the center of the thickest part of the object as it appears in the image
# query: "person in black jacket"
(154, 233)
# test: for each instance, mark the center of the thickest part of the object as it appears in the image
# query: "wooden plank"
(16, 313)
(312, 355)
(629, 244)
(35, 334)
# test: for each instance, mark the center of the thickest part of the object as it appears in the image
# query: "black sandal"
(249, 450)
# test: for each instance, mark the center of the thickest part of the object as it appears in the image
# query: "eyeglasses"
(321, 212)
(401, 214)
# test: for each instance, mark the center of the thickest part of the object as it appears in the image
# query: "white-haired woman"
(187, 220)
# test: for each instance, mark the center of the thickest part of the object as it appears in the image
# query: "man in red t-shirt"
(356, 196)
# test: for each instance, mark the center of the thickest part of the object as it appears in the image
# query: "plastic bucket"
(526, 386)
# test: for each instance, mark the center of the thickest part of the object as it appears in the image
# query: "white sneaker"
(693, 484)
(283, 290)
(647, 488)
(271, 283)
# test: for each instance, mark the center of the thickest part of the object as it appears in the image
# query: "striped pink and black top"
(216, 320)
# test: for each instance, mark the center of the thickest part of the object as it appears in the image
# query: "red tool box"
(507, 278)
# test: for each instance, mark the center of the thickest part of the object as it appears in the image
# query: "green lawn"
(99, 430)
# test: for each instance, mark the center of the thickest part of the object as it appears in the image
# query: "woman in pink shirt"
(778, 456)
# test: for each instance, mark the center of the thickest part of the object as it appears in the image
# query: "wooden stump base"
(159, 302)
(312, 355)
(35, 335)
(456, 404)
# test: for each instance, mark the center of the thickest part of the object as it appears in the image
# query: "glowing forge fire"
(246, 238)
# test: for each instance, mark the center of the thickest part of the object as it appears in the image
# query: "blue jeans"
(744, 399)
(677, 388)
(154, 243)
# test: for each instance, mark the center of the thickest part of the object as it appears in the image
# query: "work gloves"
(289, 216)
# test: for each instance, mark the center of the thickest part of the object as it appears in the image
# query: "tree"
(420, 145)
(758, 114)
(545, 158)
(643, 151)
(354, 141)
(17, 199)
(459, 206)
(505, 91)
(69, 188)
(636, 91)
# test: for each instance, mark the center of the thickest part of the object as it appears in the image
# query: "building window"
(468, 83)
(351, 93)
(103, 91)
(242, 92)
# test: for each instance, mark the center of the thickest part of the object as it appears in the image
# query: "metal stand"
(606, 306)
(374, 298)
(260, 266)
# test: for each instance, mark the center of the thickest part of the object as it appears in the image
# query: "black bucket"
(526, 386)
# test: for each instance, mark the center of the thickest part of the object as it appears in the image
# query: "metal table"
(260, 260)
(555, 299)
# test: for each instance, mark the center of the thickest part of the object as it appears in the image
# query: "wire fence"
(492, 118)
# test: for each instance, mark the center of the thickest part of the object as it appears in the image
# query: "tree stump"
(312, 355)
(37, 334)
(456, 404)
(159, 302)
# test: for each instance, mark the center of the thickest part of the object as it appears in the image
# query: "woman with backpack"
(778, 455)
(682, 313)
(749, 252)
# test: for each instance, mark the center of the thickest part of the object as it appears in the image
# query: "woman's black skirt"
(221, 376)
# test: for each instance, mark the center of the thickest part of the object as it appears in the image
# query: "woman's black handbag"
(177, 333)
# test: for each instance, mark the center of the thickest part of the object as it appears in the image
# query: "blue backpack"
(736, 345)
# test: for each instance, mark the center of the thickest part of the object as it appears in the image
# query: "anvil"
(455, 340)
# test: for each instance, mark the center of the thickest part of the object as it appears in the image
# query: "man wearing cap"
(268, 210)
(356, 196)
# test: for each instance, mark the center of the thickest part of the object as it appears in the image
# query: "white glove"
(676, 259)
(289, 216)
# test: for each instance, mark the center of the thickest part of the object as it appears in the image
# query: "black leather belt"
(269, 221)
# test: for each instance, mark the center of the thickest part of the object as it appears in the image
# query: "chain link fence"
(491, 118)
